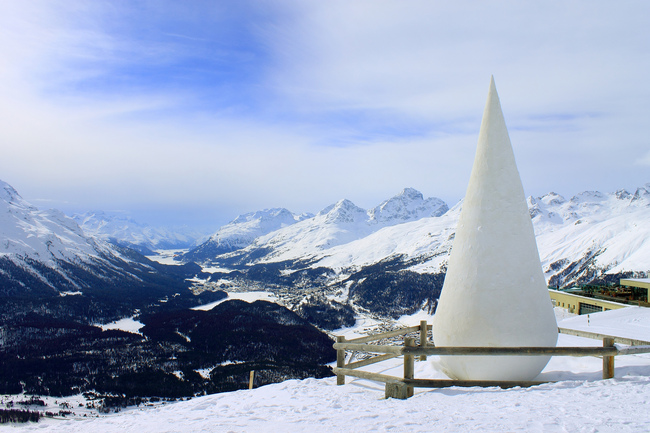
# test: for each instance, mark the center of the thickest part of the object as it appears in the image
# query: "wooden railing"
(402, 387)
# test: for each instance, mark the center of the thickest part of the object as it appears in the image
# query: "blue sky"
(194, 112)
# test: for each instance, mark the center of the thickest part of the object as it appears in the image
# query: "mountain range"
(591, 235)
(337, 254)
(337, 224)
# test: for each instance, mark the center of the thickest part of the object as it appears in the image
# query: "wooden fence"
(402, 387)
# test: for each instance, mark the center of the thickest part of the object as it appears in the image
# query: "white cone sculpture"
(494, 294)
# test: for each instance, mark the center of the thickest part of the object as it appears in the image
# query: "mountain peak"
(553, 198)
(267, 219)
(343, 211)
(408, 205)
(44, 236)
(411, 193)
(8, 193)
(261, 215)
(642, 193)
(622, 194)
(588, 196)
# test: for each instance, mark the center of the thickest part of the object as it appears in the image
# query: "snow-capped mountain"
(242, 231)
(124, 231)
(339, 224)
(44, 236)
(45, 255)
(591, 235)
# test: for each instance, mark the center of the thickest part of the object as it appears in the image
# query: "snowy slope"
(579, 402)
(427, 239)
(128, 232)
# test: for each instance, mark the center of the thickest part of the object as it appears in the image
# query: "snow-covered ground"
(166, 257)
(127, 324)
(630, 322)
(580, 401)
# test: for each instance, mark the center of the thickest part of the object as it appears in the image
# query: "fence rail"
(465, 351)
(597, 336)
(402, 387)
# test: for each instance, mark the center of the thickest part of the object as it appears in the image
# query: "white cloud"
(316, 101)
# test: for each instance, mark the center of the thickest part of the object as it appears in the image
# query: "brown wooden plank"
(370, 361)
(608, 361)
(340, 360)
(377, 377)
(397, 390)
(477, 351)
(434, 383)
(633, 350)
(513, 351)
(423, 338)
(373, 348)
(409, 365)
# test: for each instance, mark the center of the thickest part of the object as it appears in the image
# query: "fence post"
(340, 361)
(250, 379)
(409, 365)
(423, 338)
(608, 361)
